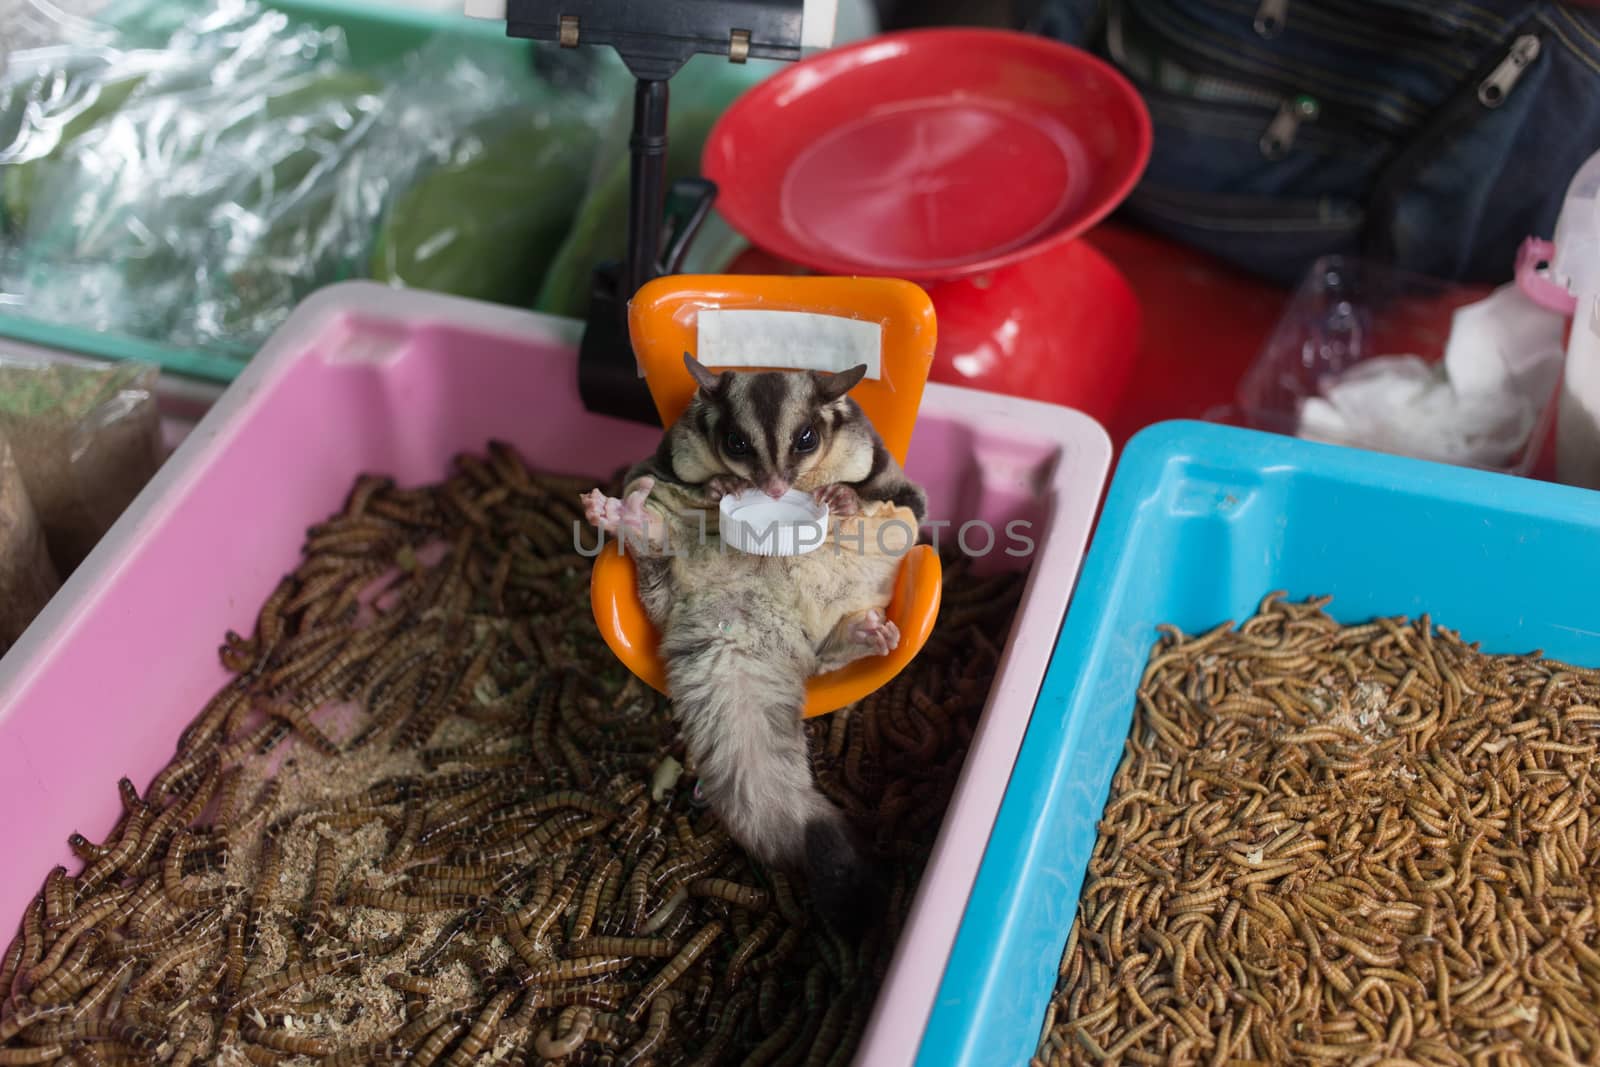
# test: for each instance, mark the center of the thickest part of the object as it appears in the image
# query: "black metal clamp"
(654, 38)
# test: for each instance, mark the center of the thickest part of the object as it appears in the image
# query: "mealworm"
(589, 904)
(602, 996)
(177, 956)
(531, 813)
(740, 896)
(380, 1050)
(296, 975)
(1380, 796)
(362, 897)
(722, 1036)
(746, 950)
(637, 888)
(25, 1016)
(31, 943)
(117, 855)
(482, 1029)
(655, 1031)
(788, 942)
(569, 970)
(674, 969)
(564, 1037)
(788, 907)
(779, 1038)
(540, 918)
(831, 1029)
(319, 909)
(660, 917)
(195, 925)
(434, 1044)
(289, 1042)
(640, 947)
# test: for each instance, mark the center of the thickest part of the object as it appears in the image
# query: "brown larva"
(733, 1012)
(750, 898)
(674, 969)
(289, 1041)
(655, 1031)
(294, 976)
(433, 1046)
(566, 1035)
(482, 1029)
(570, 970)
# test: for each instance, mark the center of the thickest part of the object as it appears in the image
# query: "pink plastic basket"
(364, 378)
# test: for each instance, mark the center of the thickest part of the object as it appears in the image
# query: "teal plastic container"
(376, 35)
(1200, 523)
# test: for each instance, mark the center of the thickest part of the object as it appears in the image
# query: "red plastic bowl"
(928, 154)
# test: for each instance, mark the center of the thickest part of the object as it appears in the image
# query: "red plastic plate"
(928, 154)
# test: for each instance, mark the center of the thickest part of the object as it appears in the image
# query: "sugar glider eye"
(806, 440)
(736, 444)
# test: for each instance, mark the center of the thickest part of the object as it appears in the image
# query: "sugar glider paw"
(623, 517)
(603, 512)
(875, 633)
(725, 485)
(839, 499)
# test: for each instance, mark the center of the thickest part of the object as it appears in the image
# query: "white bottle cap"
(754, 523)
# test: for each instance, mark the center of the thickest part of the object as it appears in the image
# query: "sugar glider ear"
(702, 374)
(833, 386)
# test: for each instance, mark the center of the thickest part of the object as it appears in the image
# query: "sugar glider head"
(772, 427)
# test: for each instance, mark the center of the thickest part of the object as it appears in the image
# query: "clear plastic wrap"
(193, 193)
(86, 440)
(27, 577)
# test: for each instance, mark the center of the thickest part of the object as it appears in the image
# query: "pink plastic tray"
(364, 378)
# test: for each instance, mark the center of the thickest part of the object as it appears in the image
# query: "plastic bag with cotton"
(1478, 406)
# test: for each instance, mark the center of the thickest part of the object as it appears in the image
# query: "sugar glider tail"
(740, 712)
(845, 883)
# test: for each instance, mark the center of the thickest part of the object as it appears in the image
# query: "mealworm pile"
(429, 818)
(1342, 844)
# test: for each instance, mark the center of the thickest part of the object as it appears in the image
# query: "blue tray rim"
(985, 938)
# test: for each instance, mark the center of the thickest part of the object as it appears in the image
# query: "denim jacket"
(1433, 135)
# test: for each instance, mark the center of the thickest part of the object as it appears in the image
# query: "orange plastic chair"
(663, 323)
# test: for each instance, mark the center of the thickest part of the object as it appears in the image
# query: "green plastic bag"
(487, 224)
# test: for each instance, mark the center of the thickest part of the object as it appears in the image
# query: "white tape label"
(819, 25)
(789, 340)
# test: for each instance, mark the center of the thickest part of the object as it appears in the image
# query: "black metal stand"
(654, 39)
(648, 180)
(660, 230)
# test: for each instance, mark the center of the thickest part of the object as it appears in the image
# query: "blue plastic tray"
(1200, 523)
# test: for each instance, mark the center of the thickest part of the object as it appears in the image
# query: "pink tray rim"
(1072, 496)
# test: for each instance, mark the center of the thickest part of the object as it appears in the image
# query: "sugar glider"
(742, 634)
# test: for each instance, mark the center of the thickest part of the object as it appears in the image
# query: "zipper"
(1381, 111)
(1280, 132)
(1357, 31)
(1271, 17)
(1465, 107)
(1494, 89)
(1290, 112)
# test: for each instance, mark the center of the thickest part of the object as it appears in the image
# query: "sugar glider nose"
(775, 488)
